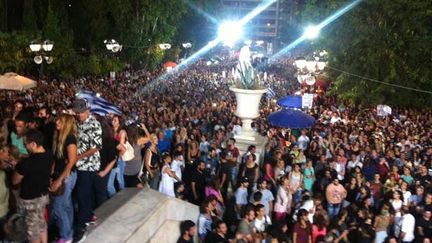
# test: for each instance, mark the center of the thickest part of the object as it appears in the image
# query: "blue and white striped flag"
(270, 93)
(99, 105)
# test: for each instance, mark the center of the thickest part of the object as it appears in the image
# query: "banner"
(112, 76)
(307, 100)
(384, 110)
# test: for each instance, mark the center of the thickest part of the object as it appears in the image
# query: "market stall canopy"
(13, 81)
(289, 118)
(169, 64)
(291, 101)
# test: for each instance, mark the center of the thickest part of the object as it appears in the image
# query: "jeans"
(333, 210)
(85, 197)
(380, 236)
(154, 182)
(233, 174)
(116, 173)
(62, 210)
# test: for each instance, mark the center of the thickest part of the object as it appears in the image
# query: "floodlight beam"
(321, 25)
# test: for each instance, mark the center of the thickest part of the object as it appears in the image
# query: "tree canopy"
(78, 29)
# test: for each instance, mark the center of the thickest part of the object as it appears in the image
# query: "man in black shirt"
(47, 127)
(33, 174)
(188, 231)
(424, 226)
(424, 177)
(198, 183)
(220, 235)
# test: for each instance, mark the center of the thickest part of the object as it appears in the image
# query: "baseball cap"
(80, 105)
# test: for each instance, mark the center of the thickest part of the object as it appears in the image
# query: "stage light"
(229, 32)
(312, 32)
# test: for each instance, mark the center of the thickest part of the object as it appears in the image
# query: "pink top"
(316, 232)
(211, 191)
(269, 175)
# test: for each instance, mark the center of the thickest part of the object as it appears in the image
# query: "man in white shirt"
(262, 221)
(354, 162)
(335, 118)
(303, 141)
(267, 196)
(177, 164)
(241, 195)
(407, 225)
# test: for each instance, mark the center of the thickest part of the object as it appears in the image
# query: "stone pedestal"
(248, 109)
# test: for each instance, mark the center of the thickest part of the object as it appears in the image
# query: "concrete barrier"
(145, 215)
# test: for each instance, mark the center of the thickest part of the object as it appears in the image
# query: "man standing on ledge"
(89, 144)
(33, 173)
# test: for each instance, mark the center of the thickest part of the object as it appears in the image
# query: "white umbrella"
(13, 81)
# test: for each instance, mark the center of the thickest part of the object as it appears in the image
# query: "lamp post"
(307, 70)
(186, 46)
(41, 51)
(112, 46)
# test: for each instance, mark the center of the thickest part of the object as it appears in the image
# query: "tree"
(3, 15)
(385, 40)
(29, 16)
(13, 49)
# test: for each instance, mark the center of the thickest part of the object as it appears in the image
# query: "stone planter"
(248, 109)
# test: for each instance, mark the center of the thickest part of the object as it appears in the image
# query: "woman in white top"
(283, 199)
(166, 185)
(397, 203)
(406, 194)
(295, 178)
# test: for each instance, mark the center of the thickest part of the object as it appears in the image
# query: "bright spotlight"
(229, 32)
(312, 32)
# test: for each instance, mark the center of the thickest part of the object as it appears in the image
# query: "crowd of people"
(353, 177)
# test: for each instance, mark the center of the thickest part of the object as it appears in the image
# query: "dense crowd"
(353, 177)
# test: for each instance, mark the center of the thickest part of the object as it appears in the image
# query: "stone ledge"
(136, 215)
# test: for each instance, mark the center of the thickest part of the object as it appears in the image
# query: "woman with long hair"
(308, 176)
(283, 200)
(117, 173)
(65, 154)
(381, 224)
(251, 171)
(396, 203)
(133, 167)
(295, 178)
(193, 149)
(168, 177)
(152, 163)
(109, 153)
(319, 227)
(213, 188)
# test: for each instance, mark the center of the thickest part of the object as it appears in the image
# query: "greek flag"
(98, 105)
(270, 93)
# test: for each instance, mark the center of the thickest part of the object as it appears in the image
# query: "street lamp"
(41, 51)
(113, 46)
(165, 46)
(186, 45)
(308, 69)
